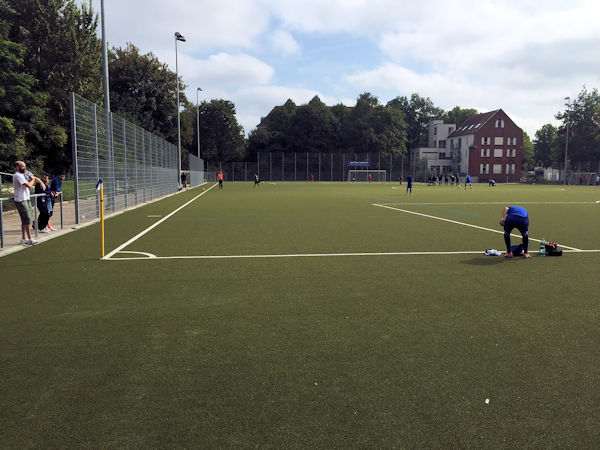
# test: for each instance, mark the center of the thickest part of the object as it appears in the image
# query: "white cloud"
(284, 43)
(225, 71)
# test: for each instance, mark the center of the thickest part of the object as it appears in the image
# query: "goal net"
(363, 175)
(583, 178)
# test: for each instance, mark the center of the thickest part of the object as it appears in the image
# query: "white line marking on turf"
(149, 255)
(152, 216)
(486, 203)
(320, 255)
(462, 223)
(154, 225)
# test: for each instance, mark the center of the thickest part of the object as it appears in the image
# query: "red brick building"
(488, 146)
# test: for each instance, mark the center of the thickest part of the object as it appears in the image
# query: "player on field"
(256, 181)
(468, 181)
(515, 217)
(409, 183)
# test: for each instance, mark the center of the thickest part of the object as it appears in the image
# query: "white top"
(22, 192)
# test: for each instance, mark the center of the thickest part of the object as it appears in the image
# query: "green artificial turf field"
(302, 315)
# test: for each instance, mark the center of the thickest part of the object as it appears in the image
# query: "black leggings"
(522, 227)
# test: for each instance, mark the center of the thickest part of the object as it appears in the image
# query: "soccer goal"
(363, 175)
(583, 178)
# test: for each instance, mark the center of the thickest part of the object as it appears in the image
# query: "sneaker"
(32, 242)
(24, 242)
(45, 230)
(508, 255)
(526, 255)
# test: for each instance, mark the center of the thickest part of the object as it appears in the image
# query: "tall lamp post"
(198, 118)
(178, 37)
(568, 104)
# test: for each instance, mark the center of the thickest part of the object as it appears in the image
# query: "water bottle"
(543, 248)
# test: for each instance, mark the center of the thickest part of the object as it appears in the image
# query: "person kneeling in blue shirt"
(515, 217)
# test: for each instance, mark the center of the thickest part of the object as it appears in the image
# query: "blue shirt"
(516, 212)
(409, 179)
(56, 184)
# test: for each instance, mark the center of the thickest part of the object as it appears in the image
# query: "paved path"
(11, 223)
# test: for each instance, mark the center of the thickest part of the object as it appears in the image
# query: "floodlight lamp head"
(179, 37)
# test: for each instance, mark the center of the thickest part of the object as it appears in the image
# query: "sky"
(524, 56)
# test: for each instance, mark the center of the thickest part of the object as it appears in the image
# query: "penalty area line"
(462, 223)
(154, 225)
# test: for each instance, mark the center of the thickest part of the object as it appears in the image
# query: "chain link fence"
(135, 165)
(280, 166)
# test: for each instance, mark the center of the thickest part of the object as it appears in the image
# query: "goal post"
(583, 178)
(363, 175)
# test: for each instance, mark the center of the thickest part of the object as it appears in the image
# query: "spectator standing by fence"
(56, 190)
(22, 182)
(44, 203)
(220, 178)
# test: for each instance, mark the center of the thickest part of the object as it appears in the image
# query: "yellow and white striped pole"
(100, 188)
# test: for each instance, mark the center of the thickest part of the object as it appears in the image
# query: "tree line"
(49, 48)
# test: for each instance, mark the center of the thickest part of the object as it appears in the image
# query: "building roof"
(473, 124)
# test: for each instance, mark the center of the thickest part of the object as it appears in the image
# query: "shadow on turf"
(485, 260)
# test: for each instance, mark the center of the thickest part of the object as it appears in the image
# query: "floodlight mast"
(198, 118)
(178, 37)
(568, 105)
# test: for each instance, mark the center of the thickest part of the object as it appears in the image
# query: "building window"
(511, 152)
(459, 142)
(485, 152)
(499, 123)
(485, 140)
(484, 169)
(450, 130)
(497, 153)
(498, 141)
(512, 141)
(434, 131)
(497, 168)
(510, 168)
(442, 144)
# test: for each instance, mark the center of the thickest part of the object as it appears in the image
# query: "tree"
(528, 153)
(221, 137)
(389, 137)
(357, 130)
(63, 54)
(313, 128)
(23, 115)
(258, 141)
(144, 91)
(458, 115)
(418, 112)
(544, 142)
(583, 116)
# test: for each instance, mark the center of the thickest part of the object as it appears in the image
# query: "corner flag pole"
(100, 188)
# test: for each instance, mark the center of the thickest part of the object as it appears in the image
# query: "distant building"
(486, 146)
(435, 155)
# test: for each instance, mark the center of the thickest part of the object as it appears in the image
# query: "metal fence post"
(74, 147)
(1, 227)
(125, 161)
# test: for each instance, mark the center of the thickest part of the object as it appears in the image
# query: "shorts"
(25, 212)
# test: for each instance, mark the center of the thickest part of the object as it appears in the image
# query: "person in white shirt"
(22, 182)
